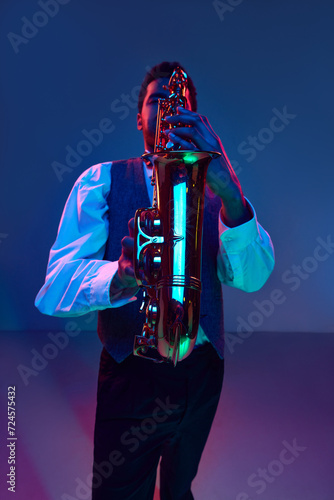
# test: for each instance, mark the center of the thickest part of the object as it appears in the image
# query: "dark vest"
(118, 326)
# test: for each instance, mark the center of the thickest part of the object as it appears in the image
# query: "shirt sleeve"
(77, 278)
(246, 254)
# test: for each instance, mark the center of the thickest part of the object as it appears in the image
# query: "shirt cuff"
(100, 289)
(239, 237)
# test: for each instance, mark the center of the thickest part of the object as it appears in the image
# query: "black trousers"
(147, 410)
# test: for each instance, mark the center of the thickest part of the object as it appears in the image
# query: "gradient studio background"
(249, 60)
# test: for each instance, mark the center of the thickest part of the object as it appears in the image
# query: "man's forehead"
(157, 86)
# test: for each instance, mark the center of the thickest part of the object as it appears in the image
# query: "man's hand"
(198, 136)
(125, 277)
(221, 177)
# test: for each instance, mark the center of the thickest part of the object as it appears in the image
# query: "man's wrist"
(235, 211)
(117, 285)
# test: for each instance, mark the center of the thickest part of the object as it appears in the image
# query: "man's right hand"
(125, 277)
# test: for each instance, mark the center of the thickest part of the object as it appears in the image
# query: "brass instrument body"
(168, 243)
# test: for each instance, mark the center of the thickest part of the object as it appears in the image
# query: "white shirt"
(78, 279)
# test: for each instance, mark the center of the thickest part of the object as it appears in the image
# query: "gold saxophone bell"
(168, 241)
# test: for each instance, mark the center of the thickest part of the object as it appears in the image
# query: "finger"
(129, 271)
(183, 119)
(127, 245)
(186, 116)
(181, 142)
(189, 134)
(186, 111)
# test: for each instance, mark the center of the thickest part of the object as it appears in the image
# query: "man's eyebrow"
(158, 94)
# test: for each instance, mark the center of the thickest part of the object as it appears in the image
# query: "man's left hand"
(194, 132)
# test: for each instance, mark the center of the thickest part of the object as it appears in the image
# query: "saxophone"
(168, 240)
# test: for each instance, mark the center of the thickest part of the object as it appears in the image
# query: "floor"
(272, 437)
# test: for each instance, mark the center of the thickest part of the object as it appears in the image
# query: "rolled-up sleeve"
(77, 278)
(246, 256)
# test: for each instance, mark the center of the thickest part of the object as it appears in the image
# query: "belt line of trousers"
(147, 410)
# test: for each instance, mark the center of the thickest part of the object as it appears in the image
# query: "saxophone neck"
(177, 87)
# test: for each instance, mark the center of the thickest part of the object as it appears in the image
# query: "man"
(147, 410)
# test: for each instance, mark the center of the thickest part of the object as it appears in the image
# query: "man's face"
(146, 120)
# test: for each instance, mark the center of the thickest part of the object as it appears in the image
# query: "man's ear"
(139, 122)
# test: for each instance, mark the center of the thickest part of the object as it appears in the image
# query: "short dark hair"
(165, 70)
